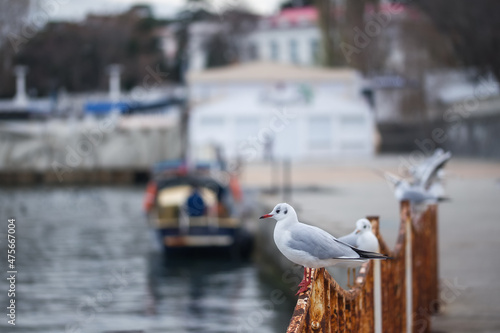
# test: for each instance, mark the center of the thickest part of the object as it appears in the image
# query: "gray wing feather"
(318, 243)
(417, 196)
(350, 239)
(428, 171)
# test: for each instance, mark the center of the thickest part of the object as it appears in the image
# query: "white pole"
(21, 98)
(377, 296)
(409, 286)
(114, 83)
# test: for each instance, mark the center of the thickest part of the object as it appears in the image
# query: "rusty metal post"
(425, 270)
(408, 284)
(298, 321)
(318, 320)
(405, 212)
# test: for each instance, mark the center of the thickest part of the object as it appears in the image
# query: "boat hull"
(201, 241)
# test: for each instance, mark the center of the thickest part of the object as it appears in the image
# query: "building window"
(352, 145)
(320, 132)
(352, 121)
(212, 122)
(315, 51)
(294, 55)
(274, 50)
(253, 53)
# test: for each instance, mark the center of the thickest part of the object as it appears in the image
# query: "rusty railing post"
(389, 298)
(319, 320)
(406, 216)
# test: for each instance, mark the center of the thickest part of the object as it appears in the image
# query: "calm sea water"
(85, 264)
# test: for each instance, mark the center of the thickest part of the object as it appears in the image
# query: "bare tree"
(12, 14)
(76, 55)
(472, 27)
(225, 47)
(326, 23)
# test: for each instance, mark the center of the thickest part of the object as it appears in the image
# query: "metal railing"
(408, 286)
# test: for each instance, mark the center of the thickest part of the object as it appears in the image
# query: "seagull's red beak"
(357, 231)
(266, 216)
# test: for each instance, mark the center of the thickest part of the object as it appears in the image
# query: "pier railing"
(396, 295)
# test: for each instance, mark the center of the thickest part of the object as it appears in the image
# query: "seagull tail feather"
(370, 255)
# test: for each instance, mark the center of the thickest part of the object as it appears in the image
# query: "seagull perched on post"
(361, 238)
(310, 246)
(404, 190)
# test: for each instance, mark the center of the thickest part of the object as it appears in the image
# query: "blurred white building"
(290, 37)
(285, 111)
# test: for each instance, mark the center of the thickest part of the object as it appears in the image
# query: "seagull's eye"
(277, 211)
(364, 227)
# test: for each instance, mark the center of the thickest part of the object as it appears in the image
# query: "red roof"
(296, 15)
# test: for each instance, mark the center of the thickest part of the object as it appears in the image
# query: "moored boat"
(195, 210)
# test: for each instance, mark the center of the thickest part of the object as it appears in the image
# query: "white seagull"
(403, 190)
(311, 246)
(362, 238)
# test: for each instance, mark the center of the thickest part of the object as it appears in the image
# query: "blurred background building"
(412, 70)
(260, 109)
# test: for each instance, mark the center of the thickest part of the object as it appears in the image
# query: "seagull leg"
(304, 279)
(304, 284)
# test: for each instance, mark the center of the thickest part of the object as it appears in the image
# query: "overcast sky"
(77, 10)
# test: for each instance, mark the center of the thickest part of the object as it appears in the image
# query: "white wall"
(336, 122)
